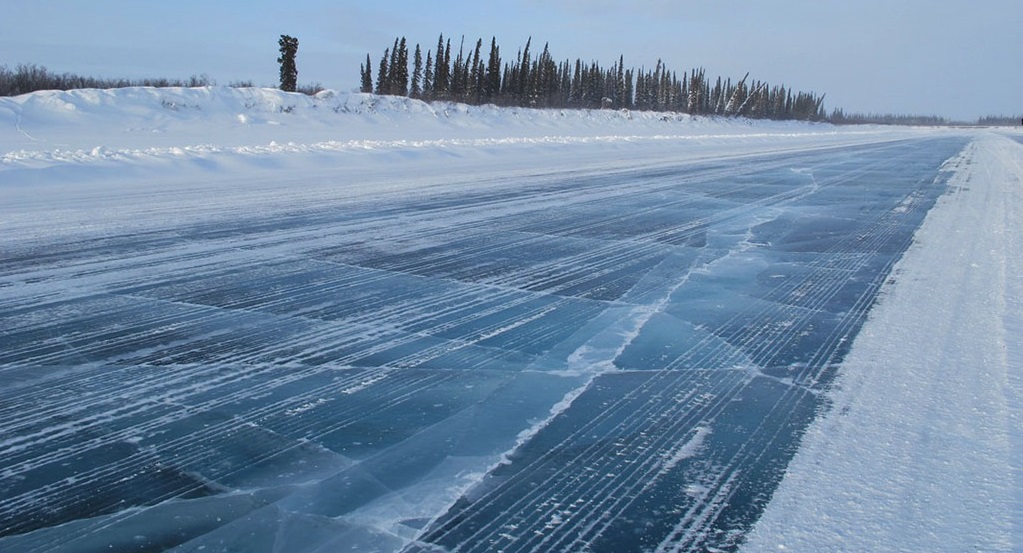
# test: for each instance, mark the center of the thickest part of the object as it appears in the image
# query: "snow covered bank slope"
(90, 160)
(922, 450)
(134, 118)
(67, 126)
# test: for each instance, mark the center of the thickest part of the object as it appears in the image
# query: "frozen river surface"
(622, 362)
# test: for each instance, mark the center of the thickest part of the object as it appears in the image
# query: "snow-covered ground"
(921, 450)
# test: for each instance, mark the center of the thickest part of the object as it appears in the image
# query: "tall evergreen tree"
(416, 89)
(544, 81)
(383, 79)
(392, 71)
(458, 73)
(629, 101)
(441, 70)
(289, 71)
(447, 70)
(473, 85)
(493, 86)
(575, 96)
(522, 80)
(697, 83)
(399, 69)
(619, 97)
(428, 90)
(737, 97)
(367, 76)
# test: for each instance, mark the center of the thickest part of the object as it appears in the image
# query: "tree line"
(29, 77)
(538, 81)
(839, 117)
(1000, 120)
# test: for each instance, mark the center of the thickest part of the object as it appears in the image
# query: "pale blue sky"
(956, 58)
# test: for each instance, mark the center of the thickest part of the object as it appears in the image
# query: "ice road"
(616, 361)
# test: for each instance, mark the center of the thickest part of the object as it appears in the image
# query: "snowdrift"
(78, 125)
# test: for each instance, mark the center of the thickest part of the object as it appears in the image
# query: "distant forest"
(538, 81)
(839, 117)
(29, 77)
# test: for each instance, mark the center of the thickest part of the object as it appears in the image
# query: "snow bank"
(75, 126)
(163, 117)
(87, 161)
(90, 160)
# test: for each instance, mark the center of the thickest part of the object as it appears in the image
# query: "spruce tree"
(398, 71)
(392, 71)
(383, 79)
(416, 89)
(289, 72)
(444, 85)
(493, 85)
(628, 100)
(428, 90)
(367, 76)
(473, 88)
(441, 79)
(522, 81)
(457, 87)
(575, 96)
(619, 97)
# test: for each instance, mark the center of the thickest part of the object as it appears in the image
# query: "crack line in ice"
(589, 358)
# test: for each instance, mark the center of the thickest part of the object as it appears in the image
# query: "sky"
(954, 58)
